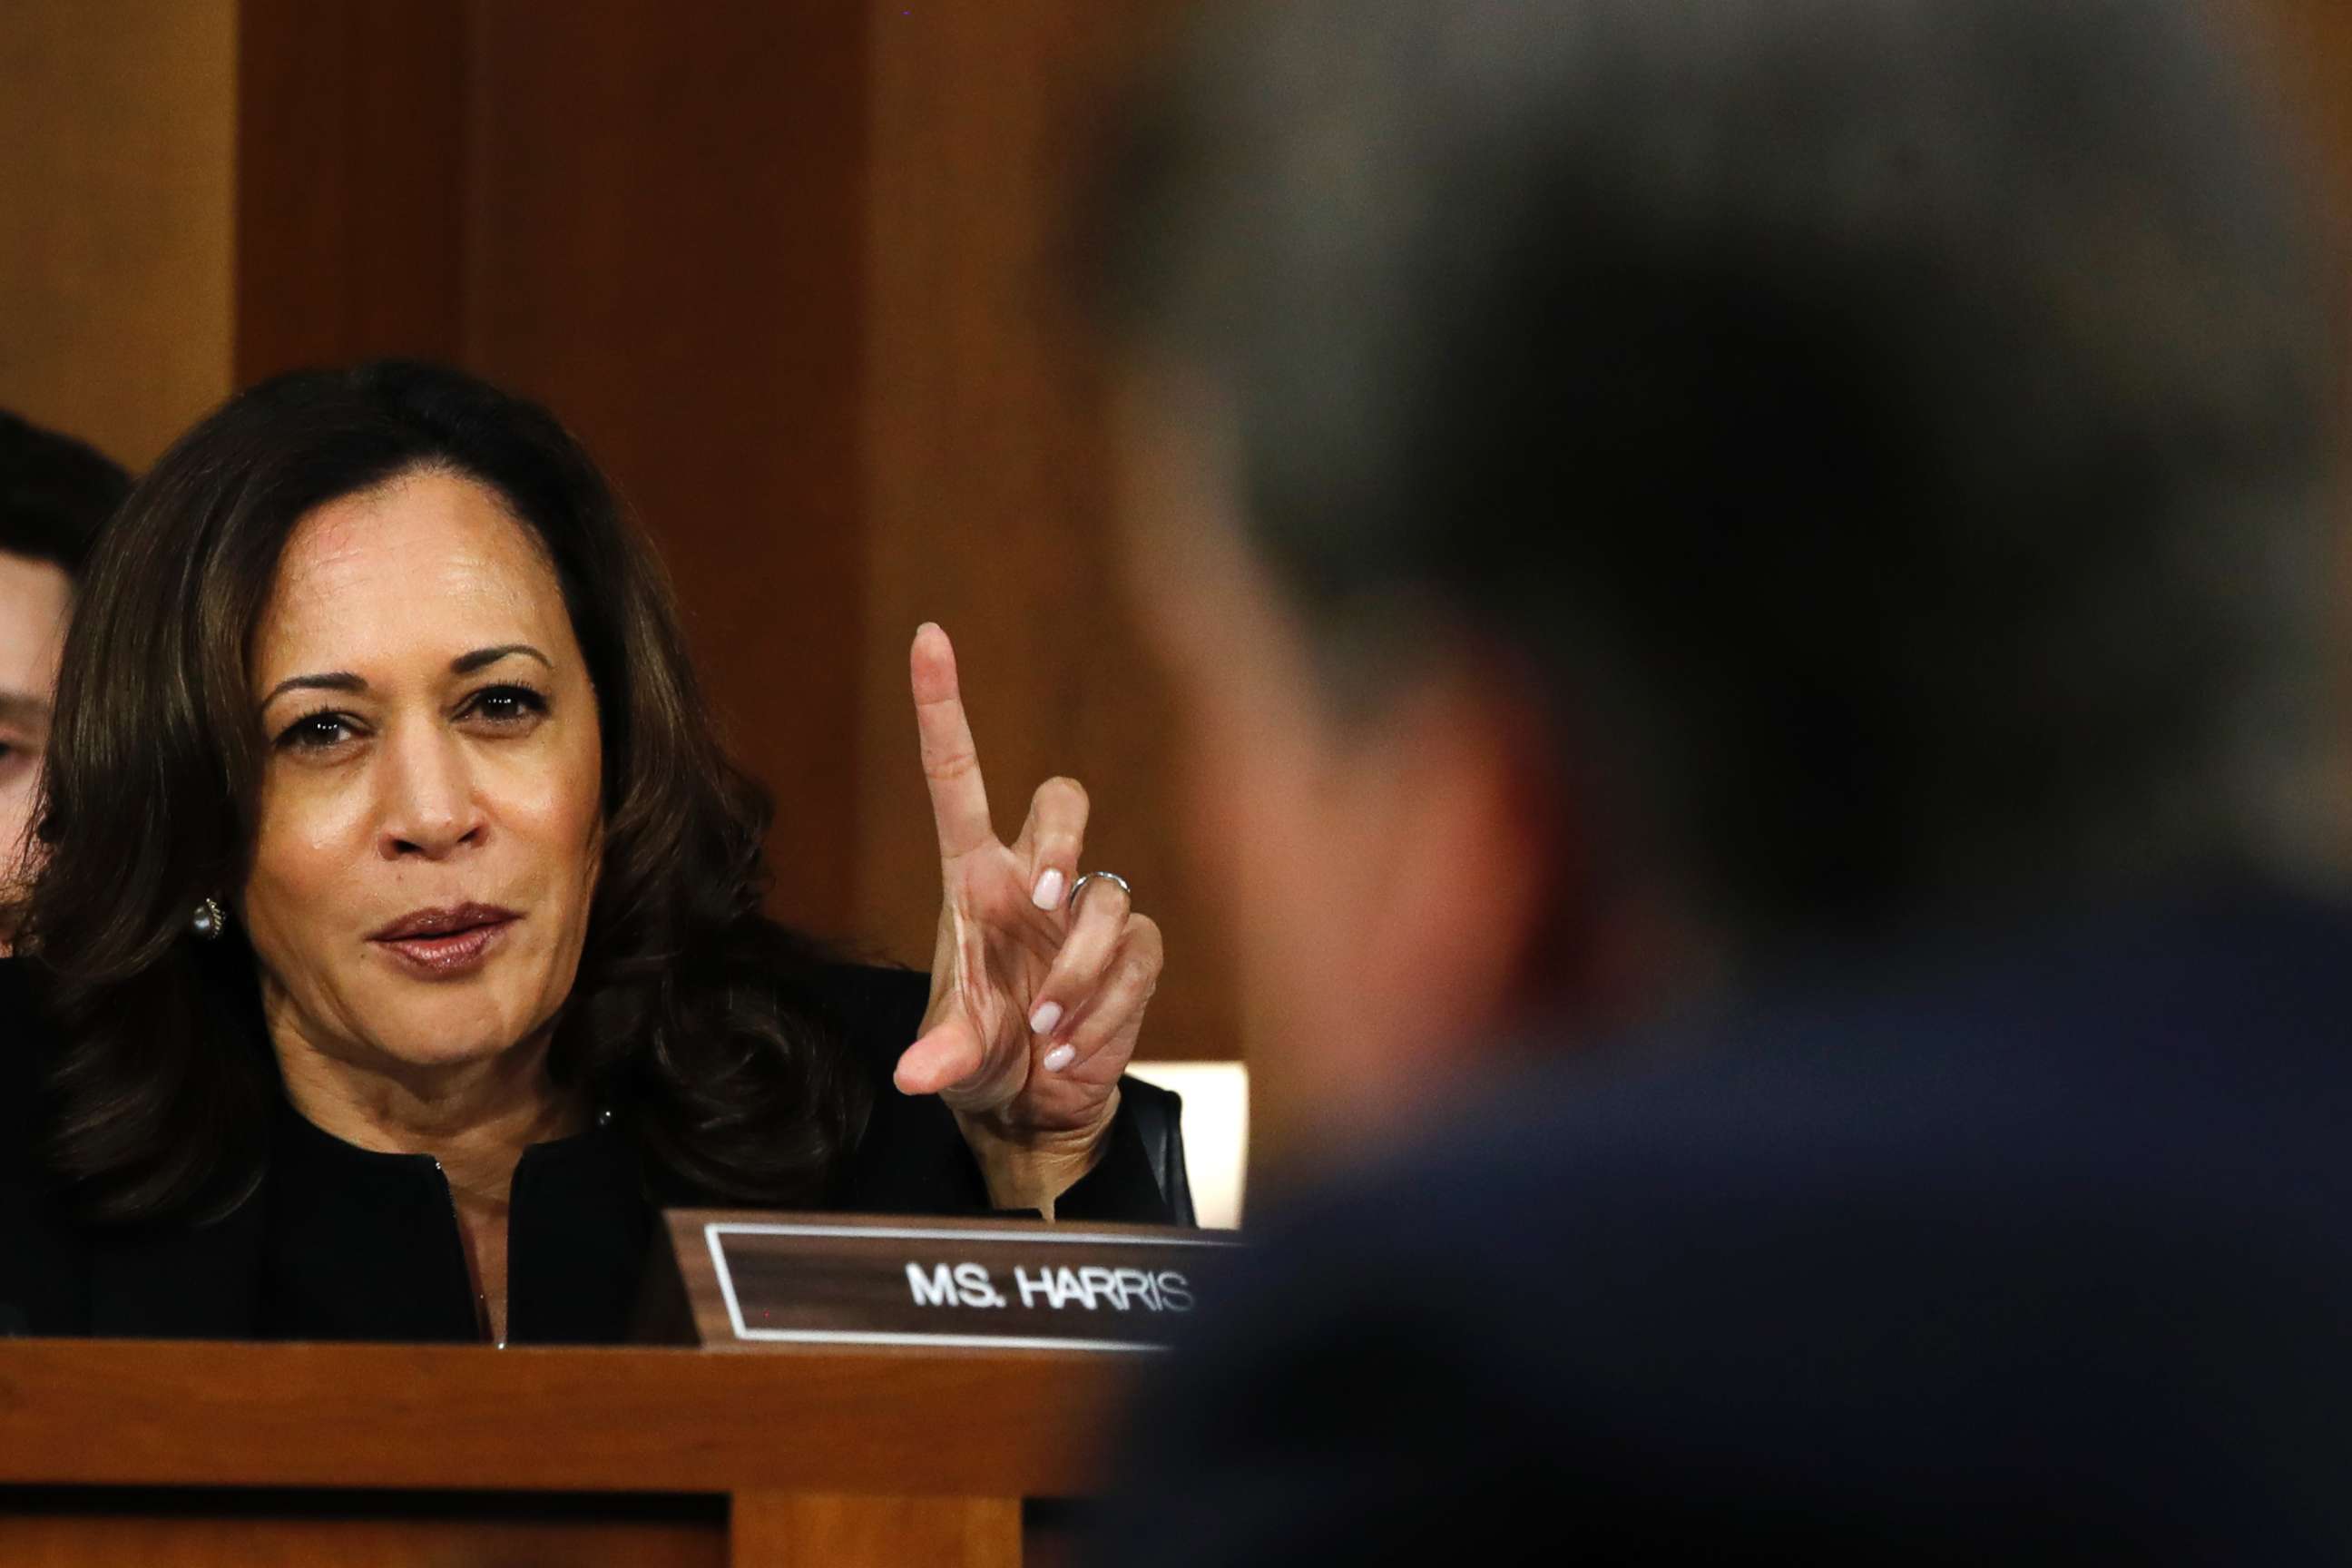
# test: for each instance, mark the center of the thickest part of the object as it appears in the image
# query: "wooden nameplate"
(746, 1281)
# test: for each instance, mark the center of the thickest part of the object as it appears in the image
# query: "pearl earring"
(208, 922)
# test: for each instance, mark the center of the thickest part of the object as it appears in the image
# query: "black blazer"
(2036, 1252)
(343, 1243)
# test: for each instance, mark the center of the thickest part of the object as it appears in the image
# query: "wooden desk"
(193, 1453)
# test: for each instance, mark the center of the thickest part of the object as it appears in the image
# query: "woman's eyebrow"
(333, 681)
(343, 680)
(467, 663)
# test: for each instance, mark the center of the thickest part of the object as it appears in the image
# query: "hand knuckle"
(946, 765)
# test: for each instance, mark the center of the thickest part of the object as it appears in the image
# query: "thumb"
(942, 1058)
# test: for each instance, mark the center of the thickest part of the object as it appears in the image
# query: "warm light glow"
(1216, 1131)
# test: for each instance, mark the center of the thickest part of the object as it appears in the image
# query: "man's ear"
(1466, 836)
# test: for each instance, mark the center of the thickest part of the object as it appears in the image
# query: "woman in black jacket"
(397, 947)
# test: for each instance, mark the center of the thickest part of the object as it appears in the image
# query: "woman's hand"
(1034, 1011)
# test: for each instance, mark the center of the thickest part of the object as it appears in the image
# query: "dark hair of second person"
(55, 494)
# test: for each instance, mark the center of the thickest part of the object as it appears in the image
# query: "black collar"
(357, 1243)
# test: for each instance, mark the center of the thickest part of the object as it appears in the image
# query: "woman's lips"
(448, 954)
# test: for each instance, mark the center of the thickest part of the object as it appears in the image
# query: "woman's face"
(430, 820)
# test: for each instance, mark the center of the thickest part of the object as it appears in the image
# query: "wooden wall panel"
(988, 492)
(351, 143)
(116, 174)
(662, 245)
(2314, 38)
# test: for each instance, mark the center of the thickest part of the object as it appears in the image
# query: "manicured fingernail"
(1059, 1057)
(1049, 890)
(1043, 1020)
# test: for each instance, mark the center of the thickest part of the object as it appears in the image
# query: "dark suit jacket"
(2032, 1252)
(343, 1243)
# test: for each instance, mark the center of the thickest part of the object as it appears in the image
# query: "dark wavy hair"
(691, 1015)
(54, 492)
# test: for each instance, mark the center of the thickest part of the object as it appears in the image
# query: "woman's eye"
(315, 731)
(507, 704)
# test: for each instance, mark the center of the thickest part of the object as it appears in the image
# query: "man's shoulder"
(2066, 1206)
(2076, 1080)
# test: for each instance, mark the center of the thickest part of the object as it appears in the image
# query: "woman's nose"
(430, 808)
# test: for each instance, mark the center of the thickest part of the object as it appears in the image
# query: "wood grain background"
(117, 123)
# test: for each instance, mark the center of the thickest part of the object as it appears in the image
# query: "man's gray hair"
(1895, 432)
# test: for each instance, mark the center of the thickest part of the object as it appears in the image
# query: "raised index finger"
(950, 761)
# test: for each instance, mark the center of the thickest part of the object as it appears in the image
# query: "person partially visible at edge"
(1759, 612)
(399, 949)
(55, 491)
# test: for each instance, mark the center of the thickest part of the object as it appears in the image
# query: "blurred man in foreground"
(54, 494)
(1757, 605)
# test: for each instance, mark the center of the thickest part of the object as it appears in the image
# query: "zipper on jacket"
(466, 1263)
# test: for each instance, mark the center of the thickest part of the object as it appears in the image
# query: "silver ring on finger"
(1079, 887)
